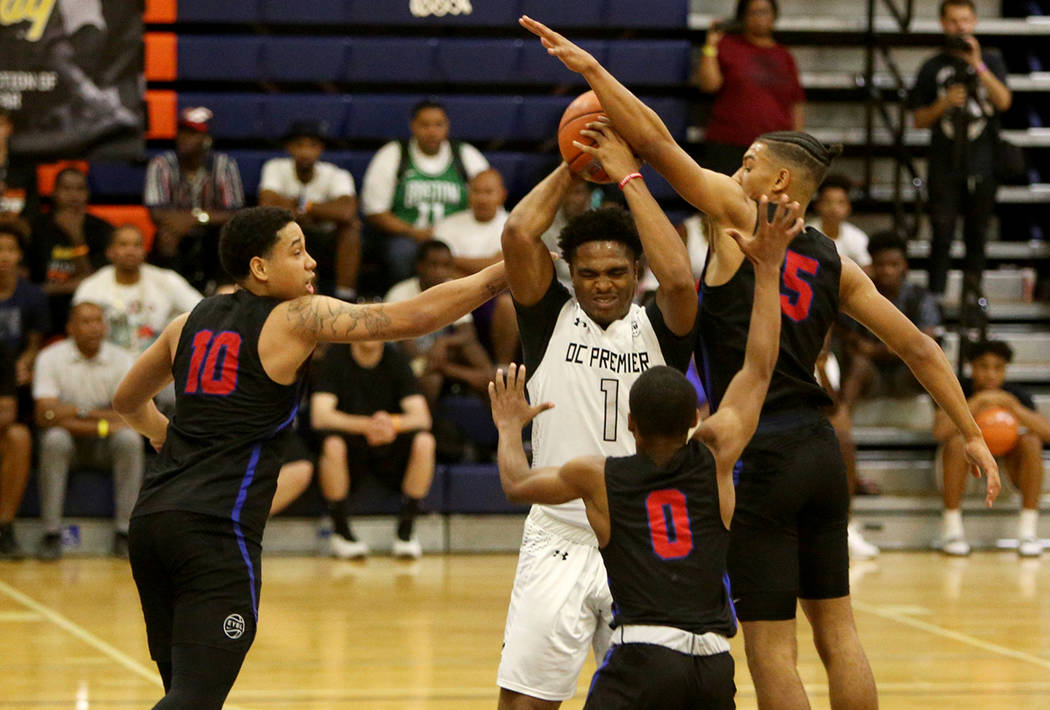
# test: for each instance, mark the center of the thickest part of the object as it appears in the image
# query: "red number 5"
(795, 304)
(213, 366)
(669, 529)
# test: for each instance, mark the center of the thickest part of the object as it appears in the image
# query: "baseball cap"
(195, 118)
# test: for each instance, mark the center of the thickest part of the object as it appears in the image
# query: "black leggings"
(198, 677)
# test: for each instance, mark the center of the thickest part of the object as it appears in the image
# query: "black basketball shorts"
(198, 581)
(788, 537)
(639, 676)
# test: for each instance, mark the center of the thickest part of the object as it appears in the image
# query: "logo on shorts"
(233, 626)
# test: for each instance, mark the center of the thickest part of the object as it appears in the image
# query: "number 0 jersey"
(666, 556)
(225, 443)
(809, 305)
(587, 372)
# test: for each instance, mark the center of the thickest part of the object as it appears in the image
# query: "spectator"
(15, 453)
(67, 243)
(833, 209)
(411, 185)
(1023, 463)
(73, 385)
(368, 407)
(324, 201)
(24, 313)
(191, 192)
(454, 353)
(755, 82)
(473, 237)
(693, 231)
(959, 94)
(17, 177)
(582, 196)
(138, 300)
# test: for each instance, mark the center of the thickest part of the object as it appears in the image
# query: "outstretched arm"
(860, 300)
(529, 266)
(728, 430)
(712, 193)
(582, 477)
(664, 249)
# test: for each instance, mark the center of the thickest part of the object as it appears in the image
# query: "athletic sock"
(951, 524)
(406, 519)
(1026, 527)
(340, 518)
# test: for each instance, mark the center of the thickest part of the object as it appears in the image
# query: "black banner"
(71, 74)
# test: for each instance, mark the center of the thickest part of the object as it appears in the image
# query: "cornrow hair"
(803, 150)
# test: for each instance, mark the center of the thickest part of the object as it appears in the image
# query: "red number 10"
(209, 373)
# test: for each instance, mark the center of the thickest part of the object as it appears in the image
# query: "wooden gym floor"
(963, 634)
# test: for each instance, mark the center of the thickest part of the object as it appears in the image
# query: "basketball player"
(237, 361)
(583, 353)
(662, 516)
(789, 531)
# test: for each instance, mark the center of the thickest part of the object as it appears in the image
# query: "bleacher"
(360, 65)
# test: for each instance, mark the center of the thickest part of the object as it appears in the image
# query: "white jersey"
(587, 372)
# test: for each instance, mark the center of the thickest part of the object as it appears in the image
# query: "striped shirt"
(216, 187)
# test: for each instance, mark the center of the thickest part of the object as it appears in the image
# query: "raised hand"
(509, 407)
(571, 56)
(610, 149)
(774, 232)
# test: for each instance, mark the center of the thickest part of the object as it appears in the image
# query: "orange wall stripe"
(161, 56)
(118, 215)
(160, 106)
(161, 11)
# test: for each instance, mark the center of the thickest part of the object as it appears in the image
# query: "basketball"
(999, 428)
(584, 109)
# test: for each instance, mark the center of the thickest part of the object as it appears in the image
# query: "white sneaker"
(955, 547)
(859, 548)
(1029, 547)
(407, 549)
(348, 549)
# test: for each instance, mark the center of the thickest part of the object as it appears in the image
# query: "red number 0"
(669, 529)
(208, 372)
(795, 304)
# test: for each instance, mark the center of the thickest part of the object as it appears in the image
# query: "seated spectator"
(24, 313)
(15, 454)
(453, 354)
(1023, 463)
(582, 196)
(833, 208)
(323, 199)
(191, 192)
(295, 474)
(17, 177)
(67, 243)
(410, 185)
(73, 385)
(367, 408)
(138, 300)
(474, 239)
(693, 231)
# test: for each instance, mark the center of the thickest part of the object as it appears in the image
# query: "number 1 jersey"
(587, 372)
(226, 440)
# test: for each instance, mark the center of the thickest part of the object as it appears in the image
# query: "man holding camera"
(959, 94)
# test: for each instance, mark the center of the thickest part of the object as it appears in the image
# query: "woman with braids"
(788, 540)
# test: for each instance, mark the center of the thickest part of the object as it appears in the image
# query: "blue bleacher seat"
(89, 494)
(560, 14)
(381, 116)
(539, 116)
(307, 12)
(471, 415)
(370, 497)
(478, 60)
(475, 488)
(538, 66)
(116, 180)
(483, 117)
(218, 58)
(304, 59)
(507, 164)
(236, 115)
(280, 110)
(393, 60)
(657, 13)
(674, 112)
(232, 11)
(649, 62)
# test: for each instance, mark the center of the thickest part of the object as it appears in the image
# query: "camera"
(731, 26)
(956, 43)
(963, 74)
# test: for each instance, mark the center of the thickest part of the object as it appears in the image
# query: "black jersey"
(226, 440)
(666, 557)
(809, 304)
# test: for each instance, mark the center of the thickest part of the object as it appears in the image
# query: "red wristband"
(628, 178)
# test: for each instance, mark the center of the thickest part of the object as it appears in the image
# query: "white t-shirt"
(329, 182)
(380, 181)
(62, 372)
(469, 238)
(136, 314)
(851, 242)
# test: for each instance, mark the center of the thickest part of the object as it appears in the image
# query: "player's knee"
(1030, 444)
(424, 444)
(57, 440)
(17, 436)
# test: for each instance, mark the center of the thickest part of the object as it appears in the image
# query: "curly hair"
(250, 232)
(608, 224)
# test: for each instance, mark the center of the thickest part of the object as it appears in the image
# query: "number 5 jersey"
(226, 439)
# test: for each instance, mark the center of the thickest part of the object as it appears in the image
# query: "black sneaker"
(50, 548)
(120, 545)
(9, 547)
